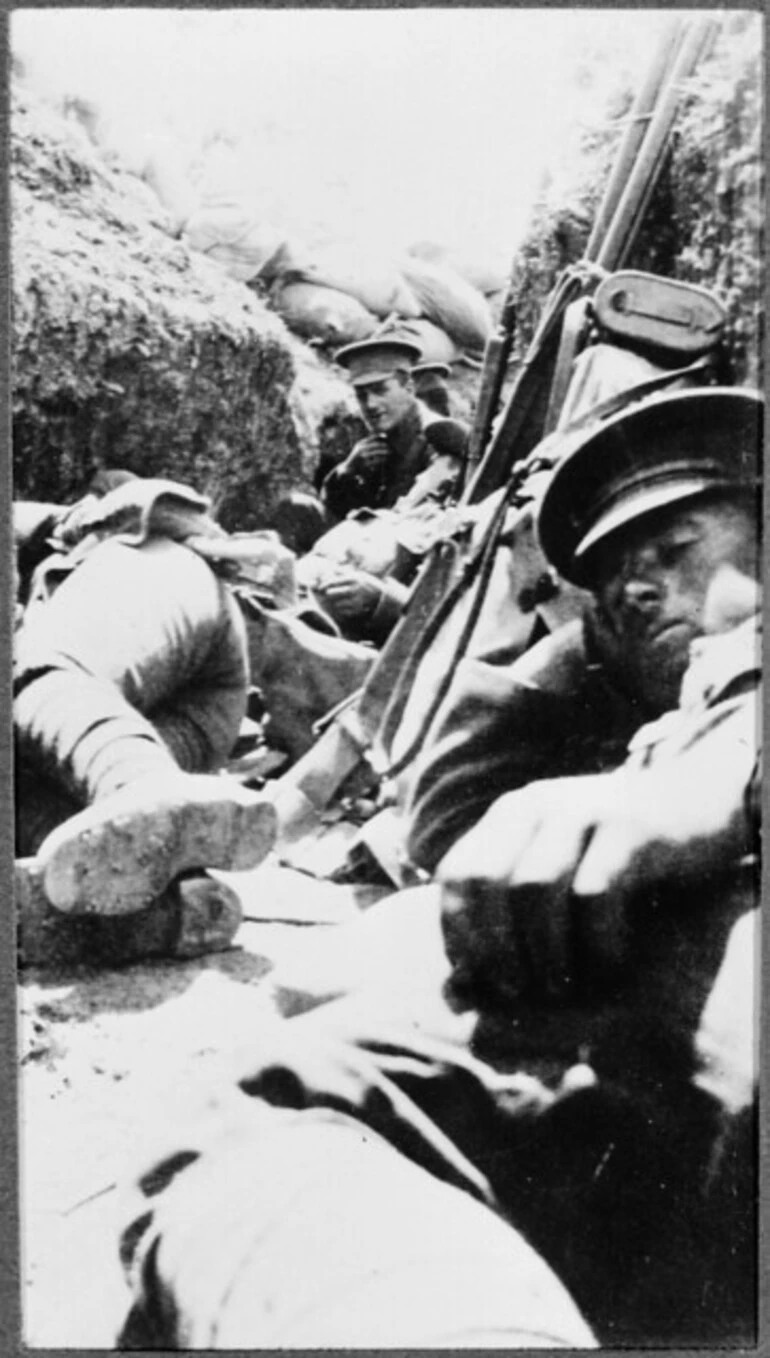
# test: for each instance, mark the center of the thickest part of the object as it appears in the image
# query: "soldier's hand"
(351, 594)
(547, 878)
(506, 889)
(371, 452)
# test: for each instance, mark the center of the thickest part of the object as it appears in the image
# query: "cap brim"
(657, 451)
(368, 379)
(641, 502)
(432, 370)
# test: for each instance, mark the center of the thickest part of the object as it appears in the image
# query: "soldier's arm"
(561, 869)
(500, 728)
(492, 736)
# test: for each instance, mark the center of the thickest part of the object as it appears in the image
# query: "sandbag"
(163, 171)
(436, 345)
(485, 270)
(323, 313)
(373, 280)
(153, 155)
(230, 232)
(449, 302)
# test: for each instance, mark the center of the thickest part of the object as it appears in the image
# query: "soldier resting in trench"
(135, 651)
(130, 686)
(541, 1073)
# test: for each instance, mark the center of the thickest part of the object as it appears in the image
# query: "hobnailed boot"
(208, 915)
(196, 915)
(120, 854)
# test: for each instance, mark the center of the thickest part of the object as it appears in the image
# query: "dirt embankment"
(132, 351)
(704, 222)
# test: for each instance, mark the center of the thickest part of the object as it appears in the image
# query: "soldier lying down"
(526, 1119)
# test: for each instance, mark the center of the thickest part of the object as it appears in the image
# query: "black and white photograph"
(387, 411)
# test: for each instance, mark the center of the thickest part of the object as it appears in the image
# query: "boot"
(120, 854)
(196, 915)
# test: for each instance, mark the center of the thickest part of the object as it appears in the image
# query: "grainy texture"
(715, 186)
(704, 221)
(131, 351)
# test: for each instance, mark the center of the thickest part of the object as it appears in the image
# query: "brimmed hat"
(431, 370)
(654, 453)
(374, 360)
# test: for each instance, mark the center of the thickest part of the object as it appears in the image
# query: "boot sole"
(210, 915)
(195, 916)
(119, 855)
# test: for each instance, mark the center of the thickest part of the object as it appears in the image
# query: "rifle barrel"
(494, 467)
(621, 231)
(631, 185)
(636, 130)
(496, 355)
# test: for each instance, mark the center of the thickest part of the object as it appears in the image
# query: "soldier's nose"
(642, 595)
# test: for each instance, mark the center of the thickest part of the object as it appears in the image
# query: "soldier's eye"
(671, 553)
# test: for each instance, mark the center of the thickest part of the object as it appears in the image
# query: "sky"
(398, 124)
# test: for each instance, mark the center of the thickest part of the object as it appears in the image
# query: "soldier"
(588, 1072)
(411, 456)
(573, 702)
(384, 466)
(130, 683)
(430, 386)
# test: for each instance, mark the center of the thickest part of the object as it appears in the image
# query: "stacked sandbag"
(346, 266)
(162, 168)
(485, 270)
(335, 291)
(157, 157)
(326, 315)
(449, 302)
(132, 351)
(230, 231)
(435, 343)
(226, 222)
(338, 292)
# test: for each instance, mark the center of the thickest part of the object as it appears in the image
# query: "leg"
(604, 1167)
(137, 664)
(306, 1230)
(136, 669)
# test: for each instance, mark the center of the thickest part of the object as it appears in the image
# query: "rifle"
(502, 447)
(497, 355)
(533, 404)
(637, 124)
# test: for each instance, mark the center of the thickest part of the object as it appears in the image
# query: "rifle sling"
(417, 639)
(477, 567)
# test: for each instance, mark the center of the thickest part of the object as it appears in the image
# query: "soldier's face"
(384, 403)
(676, 574)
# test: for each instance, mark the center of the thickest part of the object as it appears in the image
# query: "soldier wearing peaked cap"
(580, 1056)
(653, 513)
(656, 512)
(411, 455)
(666, 451)
(383, 466)
(430, 385)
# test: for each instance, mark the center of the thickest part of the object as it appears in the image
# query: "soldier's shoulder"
(558, 664)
